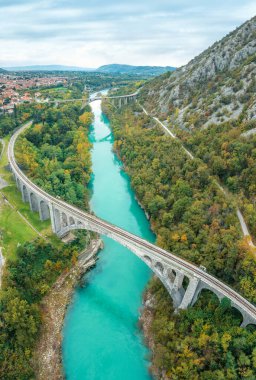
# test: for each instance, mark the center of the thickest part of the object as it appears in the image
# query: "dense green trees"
(23, 112)
(203, 343)
(230, 156)
(56, 152)
(192, 218)
(188, 212)
(7, 124)
(25, 283)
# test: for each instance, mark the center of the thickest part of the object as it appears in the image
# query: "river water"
(102, 340)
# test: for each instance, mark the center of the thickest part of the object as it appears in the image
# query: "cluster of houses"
(14, 90)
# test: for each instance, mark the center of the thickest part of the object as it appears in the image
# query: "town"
(16, 89)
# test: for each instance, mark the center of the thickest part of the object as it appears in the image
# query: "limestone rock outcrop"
(215, 86)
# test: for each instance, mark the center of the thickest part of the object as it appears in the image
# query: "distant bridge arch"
(118, 100)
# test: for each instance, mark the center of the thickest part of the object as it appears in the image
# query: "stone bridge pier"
(62, 221)
(36, 203)
(179, 285)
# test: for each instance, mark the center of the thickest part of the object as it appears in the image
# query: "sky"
(91, 33)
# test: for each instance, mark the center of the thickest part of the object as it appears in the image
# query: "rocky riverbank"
(145, 322)
(47, 357)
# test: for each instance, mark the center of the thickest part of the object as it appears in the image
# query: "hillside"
(2, 71)
(216, 86)
(128, 69)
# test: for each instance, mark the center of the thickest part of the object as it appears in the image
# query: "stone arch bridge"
(171, 269)
(118, 101)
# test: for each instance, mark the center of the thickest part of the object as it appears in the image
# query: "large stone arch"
(73, 224)
(202, 287)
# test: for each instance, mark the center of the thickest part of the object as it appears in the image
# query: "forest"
(26, 281)
(191, 218)
(230, 155)
(8, 122)
(55, 153)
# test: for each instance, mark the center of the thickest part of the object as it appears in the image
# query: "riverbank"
(145, 322)
(48, 355)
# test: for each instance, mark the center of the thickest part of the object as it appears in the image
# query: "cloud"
(95, 32)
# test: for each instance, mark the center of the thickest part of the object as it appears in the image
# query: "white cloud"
(89, 33)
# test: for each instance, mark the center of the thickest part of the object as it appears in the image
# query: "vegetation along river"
(102, 340)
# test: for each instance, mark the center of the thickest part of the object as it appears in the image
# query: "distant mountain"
(109, 69)
(2, 71)
(216, 86)
(129, 69)
(48, 68)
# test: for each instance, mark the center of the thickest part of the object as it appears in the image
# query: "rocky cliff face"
(216, 86)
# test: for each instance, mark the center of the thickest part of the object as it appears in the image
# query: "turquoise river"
(102, 340)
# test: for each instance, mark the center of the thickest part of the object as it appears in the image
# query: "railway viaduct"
(117, 101)
(171, 269)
